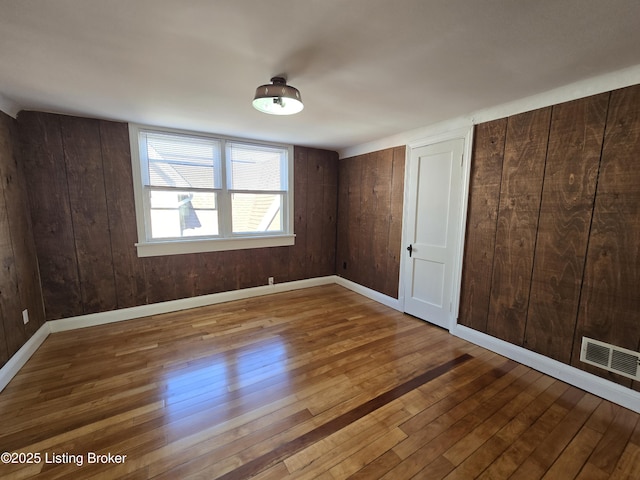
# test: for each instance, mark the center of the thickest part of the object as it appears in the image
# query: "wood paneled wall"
(552, 251)
(370, 198)
(19, 277)
(81, 192)
(610, 297)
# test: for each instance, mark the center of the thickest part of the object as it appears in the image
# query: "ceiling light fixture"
(278, 98)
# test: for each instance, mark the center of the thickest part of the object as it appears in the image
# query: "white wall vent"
(615, 359)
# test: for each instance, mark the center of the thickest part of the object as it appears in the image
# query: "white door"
(433, 219)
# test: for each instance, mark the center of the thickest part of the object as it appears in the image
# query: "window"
(198, 192)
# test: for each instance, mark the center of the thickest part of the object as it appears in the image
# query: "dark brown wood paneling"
(313, 190)
(13, 331)
(19, 277)
(381, 209)
(10, 305)
(349, 181)
(205, 272)
(370, 219)
(215, 277)
(94, 188)
(354, 221)
(566, 263)
(252, 267)
(329, 212)
(161, 276)
(186, 285)
(22, 239)
(87, 198)
(482, 215)
(276, 263)
(394, 238)
(575, 144)
(7, 335)
(128, 269)
(586, 262)
(342, 227)
(44, 168)
(610, 302)
(520, 192)
(321, 190)
(298, 262)
(246, 264)
(4, 352)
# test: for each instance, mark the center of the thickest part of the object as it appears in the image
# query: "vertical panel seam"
(73, 229)
(335, 230)
(359, 220)
(593, 209)
(11, 235)
(535, 242)
(3, 314)
(390, 215)
(106, 204)
(495, 231)
(335, 258)
(27, 198)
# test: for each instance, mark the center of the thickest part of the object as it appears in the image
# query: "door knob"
(410, 249)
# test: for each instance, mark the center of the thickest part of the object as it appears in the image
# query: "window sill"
(178, 247)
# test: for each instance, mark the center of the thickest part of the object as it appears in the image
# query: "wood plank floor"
(316, 383)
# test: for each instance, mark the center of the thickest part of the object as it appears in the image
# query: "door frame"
(466, 134)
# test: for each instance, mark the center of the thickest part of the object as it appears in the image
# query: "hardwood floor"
(316, 383)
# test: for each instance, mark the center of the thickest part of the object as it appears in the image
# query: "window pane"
(255, 213)
(257, 168)
(179, 161)
(176, 214)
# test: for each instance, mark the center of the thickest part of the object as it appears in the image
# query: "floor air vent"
(612, 358)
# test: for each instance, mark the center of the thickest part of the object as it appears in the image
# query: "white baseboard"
(601, 387)
(101, 318)
(611, 391)
(9, 370)
(17, 361)
(372, 294)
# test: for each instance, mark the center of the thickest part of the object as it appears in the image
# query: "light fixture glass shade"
(278, 98)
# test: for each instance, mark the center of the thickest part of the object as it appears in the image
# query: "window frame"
(226, 239)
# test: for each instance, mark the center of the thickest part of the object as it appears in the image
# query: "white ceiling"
(366, 69)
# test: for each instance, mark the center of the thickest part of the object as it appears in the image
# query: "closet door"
(433, 228)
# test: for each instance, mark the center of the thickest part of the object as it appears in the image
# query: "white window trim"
(154, 248)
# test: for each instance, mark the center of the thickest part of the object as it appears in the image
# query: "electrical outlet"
(25, 316)
(270, 280)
